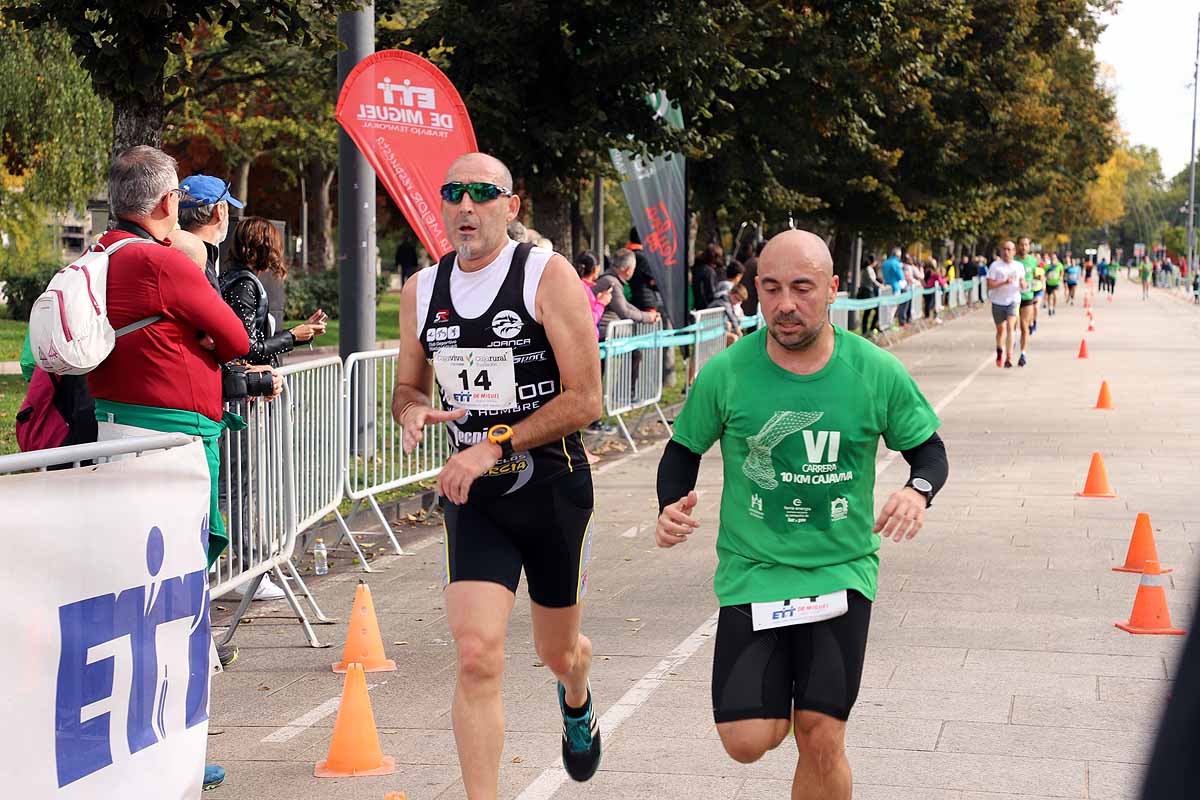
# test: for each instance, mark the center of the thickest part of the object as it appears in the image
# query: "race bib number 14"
(477, 378)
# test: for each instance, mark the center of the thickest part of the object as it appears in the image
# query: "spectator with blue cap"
(204, 203)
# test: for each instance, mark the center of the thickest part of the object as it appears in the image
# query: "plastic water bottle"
(320, 558)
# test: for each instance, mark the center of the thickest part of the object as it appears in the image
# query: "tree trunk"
(241, 182)
(843, 254)
(552, 218)
(320, 216)
(577, 223)
(137, 120)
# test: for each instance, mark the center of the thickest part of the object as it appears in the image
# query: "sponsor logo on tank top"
(507, 324)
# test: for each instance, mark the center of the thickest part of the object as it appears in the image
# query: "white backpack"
(69, 331)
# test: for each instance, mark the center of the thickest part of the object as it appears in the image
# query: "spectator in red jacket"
(167, 375)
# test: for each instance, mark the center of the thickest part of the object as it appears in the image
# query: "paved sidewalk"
(994, 671)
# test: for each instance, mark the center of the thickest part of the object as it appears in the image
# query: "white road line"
(882, 466)
(302, 723)
(546, 784)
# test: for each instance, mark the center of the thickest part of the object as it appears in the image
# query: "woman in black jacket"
(257, 249)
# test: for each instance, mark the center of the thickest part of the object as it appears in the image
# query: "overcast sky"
(1151, 45)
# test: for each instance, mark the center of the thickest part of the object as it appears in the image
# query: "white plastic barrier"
(107, 627)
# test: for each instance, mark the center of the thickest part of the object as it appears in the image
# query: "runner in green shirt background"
(798, 409)
(1028, 301)
(1144, 272)
(1054, 276)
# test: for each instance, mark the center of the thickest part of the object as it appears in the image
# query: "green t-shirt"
(1030, 264)
(1144, 271)
(797, 504)
(1054, 273)
(1113, 268)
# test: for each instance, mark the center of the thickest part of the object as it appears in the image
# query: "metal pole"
(1191, 226)
(356, 202)
(598, 219)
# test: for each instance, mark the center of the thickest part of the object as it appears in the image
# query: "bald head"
(797, 249)
(480, 167)
(796, 285)
(191, 246)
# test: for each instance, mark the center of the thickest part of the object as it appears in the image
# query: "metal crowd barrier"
(375, 457)
(709, 336)
(318, 451)
(257, 498)
(633, 379)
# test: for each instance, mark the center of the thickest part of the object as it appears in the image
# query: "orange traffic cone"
(1091, 326)
(364, 643)
(1083, 348)
(354, 748)
(1141, 548)
(1096, 484)
(1104, 401)
(395, 796)
(1150, 614)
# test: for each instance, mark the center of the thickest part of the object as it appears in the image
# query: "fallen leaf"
(517, 760)
(538, 664)
(400, 643)
(633, 619)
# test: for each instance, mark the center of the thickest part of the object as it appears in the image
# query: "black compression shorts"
(547, 529)
(766, 674)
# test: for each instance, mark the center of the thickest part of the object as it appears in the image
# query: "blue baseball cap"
(207, 190)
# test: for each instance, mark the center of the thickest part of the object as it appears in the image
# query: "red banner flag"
(409, 121)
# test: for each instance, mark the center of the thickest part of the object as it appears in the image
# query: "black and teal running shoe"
(580, 739)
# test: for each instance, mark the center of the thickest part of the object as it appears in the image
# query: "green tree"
(126, 46)
(551, 86)
(53, 128)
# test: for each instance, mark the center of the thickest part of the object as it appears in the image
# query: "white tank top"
(473, 292)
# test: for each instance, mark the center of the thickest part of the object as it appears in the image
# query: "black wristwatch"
(923, 487)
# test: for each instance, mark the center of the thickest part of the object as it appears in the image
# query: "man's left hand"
(902, 516)
(455, 479)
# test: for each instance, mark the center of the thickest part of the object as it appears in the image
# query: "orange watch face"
(499, 433)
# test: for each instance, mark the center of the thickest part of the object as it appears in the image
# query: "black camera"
(237, 383)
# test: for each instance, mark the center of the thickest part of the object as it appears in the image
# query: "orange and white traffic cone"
(364, 642)
(1141, 548)
(1150, 613)
(1082, 348)
(354, 748)
(1096, 484)
(1104, 401)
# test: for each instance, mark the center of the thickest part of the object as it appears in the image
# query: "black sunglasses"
(480, 192)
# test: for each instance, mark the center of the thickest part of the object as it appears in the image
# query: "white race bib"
(798, 612)
(477, 378)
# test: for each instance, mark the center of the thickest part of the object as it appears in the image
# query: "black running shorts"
(767, 674)
(1030, 302)
(547, 529)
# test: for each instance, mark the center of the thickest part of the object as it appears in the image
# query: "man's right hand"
(416, 417)
(675, 522)
(652, 315)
